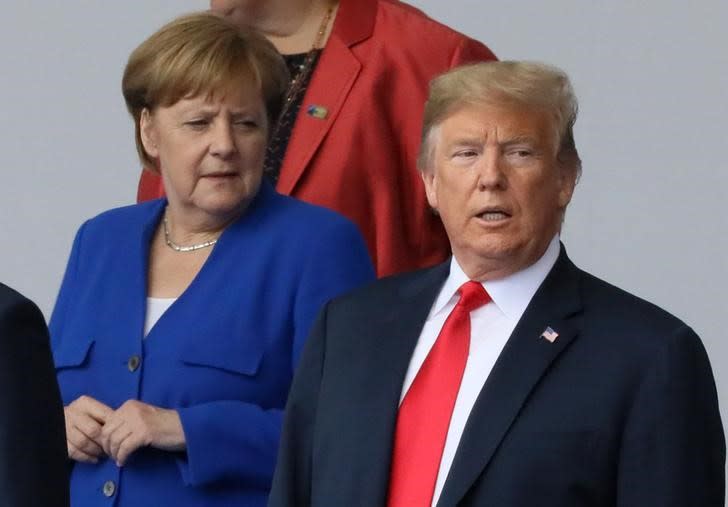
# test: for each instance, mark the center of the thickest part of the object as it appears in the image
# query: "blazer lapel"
(522, 363)
(388, 349)
(134, 306)
(333, 78)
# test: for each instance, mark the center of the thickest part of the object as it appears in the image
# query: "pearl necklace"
(179, 248)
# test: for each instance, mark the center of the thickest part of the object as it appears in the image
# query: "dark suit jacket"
(33, 459)
(359, 160)
(621, 410)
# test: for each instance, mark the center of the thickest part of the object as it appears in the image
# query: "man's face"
(496, 183)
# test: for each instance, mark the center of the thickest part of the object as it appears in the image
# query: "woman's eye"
(197, 124)
(246, 124)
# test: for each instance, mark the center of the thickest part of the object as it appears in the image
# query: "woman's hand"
(85, 418)
(136, 424)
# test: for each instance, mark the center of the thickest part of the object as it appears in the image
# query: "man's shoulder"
(17, 313)
(9, 297)
(620, 304)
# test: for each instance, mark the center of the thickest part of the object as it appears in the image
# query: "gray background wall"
(648, 215)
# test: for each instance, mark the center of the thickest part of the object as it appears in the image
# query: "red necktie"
(425, 412)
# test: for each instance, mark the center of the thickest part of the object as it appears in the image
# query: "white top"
(491, 326)
(155, 308)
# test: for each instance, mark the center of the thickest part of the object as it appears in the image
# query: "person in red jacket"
(348, 135)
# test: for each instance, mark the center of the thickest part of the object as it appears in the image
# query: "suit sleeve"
(673, 447)
(231, 439)
(292, 480)
(33, 465)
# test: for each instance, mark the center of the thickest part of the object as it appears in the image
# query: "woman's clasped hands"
(94, 429)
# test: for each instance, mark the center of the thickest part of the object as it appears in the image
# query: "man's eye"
(466, 154)
(520, 153)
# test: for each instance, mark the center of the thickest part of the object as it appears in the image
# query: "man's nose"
(490, 168)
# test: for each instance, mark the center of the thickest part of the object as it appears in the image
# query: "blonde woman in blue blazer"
(179, 321)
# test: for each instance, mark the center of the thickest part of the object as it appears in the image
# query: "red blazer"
(360, 160)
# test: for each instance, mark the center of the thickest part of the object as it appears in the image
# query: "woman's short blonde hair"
(200, 54)
(526, 83)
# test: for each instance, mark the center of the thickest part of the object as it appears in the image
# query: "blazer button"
(133, 363)
(109, 488)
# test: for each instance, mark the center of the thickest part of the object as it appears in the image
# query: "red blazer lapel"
(335, 75)
(333, 78)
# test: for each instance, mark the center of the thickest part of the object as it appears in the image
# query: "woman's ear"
(148, 133)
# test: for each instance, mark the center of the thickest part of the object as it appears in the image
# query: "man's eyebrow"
(466, 140)
(520, 140)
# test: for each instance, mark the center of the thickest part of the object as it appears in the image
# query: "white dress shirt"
(491, 326)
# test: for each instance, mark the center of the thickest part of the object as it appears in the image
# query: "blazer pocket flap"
(242, 357)
(72, 353)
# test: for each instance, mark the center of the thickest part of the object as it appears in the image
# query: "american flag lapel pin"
(549, 334)
(316, 111)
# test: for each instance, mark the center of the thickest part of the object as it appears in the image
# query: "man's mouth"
(493, 215)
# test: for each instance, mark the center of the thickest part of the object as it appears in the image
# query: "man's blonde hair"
(200, 54)
(526, 83)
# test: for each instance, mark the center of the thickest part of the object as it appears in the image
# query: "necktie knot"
(472, 296)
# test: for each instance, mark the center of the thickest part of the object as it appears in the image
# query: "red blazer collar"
(355, 20)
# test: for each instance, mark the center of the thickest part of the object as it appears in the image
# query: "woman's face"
(210, 150)
(237, 11)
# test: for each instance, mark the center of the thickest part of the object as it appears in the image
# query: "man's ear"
(148, 133)
(430, 181)
(567, 183)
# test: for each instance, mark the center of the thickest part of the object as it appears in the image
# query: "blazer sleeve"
(292, 479)
(232, 439)
(673, 447)
(33, 464)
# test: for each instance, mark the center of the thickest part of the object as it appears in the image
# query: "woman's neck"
(189, 227)
(292, 26)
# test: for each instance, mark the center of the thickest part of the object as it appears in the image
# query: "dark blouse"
(281, 133)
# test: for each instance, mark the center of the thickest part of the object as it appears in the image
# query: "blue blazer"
(222, 355)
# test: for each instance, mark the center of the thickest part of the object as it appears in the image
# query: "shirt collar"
(511, 294)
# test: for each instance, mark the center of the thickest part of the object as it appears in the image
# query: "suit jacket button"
(109, 488)
(133, 363)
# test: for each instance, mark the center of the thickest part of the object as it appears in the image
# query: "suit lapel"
(388, 348)
(333, 78)
(523, 362)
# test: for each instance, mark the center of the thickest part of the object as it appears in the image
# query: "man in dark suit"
(33, 460)
(507, 376)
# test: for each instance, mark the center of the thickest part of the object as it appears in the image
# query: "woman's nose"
(222, 142)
